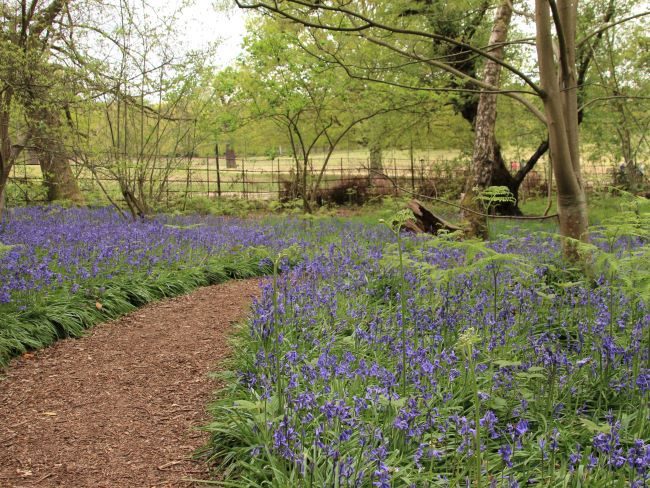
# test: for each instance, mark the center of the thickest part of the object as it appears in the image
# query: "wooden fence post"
(412, 168)
(216, 152)
(207, 173)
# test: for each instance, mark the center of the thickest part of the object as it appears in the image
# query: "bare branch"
(612, 97)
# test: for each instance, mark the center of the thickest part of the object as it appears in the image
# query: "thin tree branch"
(613, 97)
(534, 110)
(610, 25)
(369, 23)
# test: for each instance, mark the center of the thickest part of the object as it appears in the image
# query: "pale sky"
(201, 23)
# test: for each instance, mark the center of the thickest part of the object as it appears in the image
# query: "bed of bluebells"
(495, 367)
(372, 358)
(62, 270)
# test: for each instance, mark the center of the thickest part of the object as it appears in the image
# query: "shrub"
(349, 191)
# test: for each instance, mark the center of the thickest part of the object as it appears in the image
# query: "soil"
(120, 407)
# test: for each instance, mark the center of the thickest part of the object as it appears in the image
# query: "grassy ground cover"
(390, 361)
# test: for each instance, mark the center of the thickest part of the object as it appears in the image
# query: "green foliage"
(626, 265)
(397, 220)
(494, 195)
(54, 316)
(24, 192)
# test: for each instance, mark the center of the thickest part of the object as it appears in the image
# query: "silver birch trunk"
(486, 156)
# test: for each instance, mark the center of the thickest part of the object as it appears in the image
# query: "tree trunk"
(631, 177)
(58, 177)
(231, 158)
(4, 177)
(306, 206)
(6, 160)
(52, 157)
(376, 157)
(487, 162)
(560, 105)
(9, 151)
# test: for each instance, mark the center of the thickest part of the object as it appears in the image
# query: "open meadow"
(174, 179)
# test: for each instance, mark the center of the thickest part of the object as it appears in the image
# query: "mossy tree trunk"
(52, 156)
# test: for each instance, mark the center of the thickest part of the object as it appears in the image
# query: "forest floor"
(120, 407)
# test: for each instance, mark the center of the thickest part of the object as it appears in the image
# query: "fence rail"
(167, 178)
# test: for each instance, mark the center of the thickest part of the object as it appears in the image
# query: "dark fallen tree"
(428, 222)
(425, 221)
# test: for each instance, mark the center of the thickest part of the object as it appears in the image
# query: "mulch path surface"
(120, 406)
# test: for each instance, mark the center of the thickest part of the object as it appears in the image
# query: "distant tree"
(313, 102)
(618, 104)
(145, 98)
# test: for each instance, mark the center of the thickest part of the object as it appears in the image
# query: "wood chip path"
(120, 407)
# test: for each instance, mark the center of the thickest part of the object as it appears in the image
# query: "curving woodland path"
(120, 407)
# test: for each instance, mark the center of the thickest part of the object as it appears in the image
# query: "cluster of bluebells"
(52, 248)
(552, 364)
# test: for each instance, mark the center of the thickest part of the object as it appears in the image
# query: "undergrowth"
(64, 270)
(48, 317)
(431, 362)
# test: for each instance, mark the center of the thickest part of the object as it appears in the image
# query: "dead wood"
(427, 221)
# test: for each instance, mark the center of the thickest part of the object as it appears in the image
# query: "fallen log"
(427, 221)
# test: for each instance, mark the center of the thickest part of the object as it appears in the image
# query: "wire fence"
(166, 179)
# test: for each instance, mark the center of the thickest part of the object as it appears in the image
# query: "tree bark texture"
(487, 162)
(9, 150)
(4, 177)
(558, 82)
(376, 157)
(53, 157)
(6, 160)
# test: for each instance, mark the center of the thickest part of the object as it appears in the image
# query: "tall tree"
(559, 85)
(487, 160)
(28, 32)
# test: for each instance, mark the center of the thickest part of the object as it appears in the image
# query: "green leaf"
(504, 363)
(248, 405)
(594, 427)
(499, 404)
